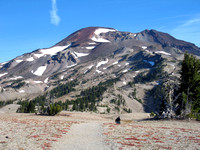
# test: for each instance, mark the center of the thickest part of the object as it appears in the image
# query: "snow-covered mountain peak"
(97, 34)
(91, 54)
(98, 31)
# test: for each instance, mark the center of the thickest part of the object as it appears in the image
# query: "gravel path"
(83, 136)
(89, 131)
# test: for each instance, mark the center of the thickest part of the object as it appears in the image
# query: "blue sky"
(26, 25)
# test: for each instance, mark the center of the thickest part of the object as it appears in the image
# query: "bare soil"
(90, 131)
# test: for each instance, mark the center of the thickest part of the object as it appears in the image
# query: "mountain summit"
(94, 55)
(90, 34)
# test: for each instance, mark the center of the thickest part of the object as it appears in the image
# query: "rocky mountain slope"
(139, 63)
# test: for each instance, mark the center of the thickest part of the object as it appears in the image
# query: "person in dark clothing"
(117, 120)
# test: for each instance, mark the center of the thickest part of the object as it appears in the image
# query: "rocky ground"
(154, 135)
(89, 131)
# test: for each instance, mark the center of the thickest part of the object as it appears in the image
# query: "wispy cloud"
(55, 19)
(188, 30)
(192, 22)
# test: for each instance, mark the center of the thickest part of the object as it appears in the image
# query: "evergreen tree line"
(85, 101)
(89, 97)
(189, 90)
(16, 84)
(118, 101)
(183, 98)
(63, 89)
(53, 109)
(154, 74)
(4, 103)
(43, 101)
(26, 107)
(19, 85)
(160, 99)
(40, 100)
(29, 107)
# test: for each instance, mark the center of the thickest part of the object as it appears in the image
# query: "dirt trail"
(83, 136)
(90, 131)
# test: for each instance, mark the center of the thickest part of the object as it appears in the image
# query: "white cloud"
(188, 31)
(55, 19)
(192, 22)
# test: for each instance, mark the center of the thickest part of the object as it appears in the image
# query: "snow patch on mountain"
(149, 52)
(92, 43)
(162, 52)
(90, 66)
(30, 59)
(40, 71)
(97, 36)
(53, 50)
(38, 82)
(144, 47)
(62, 77)
(90, 47)
(21, 91)
(100, 40)
(98, 71)
(18, 61)
(75, 56)
(81, 54)
(71, 66)
(115, 63)
(1, 75)
(126, 70)
(38, 55)
(27, 81)
(103, 30)
(135, 73)
(102, 63)
(46, 80)
(99, 64)
(16, 78)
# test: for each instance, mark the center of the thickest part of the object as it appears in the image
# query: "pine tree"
(81, 105)
(86, 104)
(31, 107)
(92, 106)
(53, 109)
(66, 104)
(108, 109)
(74, 107)
(189, 101)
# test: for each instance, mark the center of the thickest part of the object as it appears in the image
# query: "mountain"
(138, 62)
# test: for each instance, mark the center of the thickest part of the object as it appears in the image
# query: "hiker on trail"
(117, 120)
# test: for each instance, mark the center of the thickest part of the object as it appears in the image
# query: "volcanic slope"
(131, 67)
